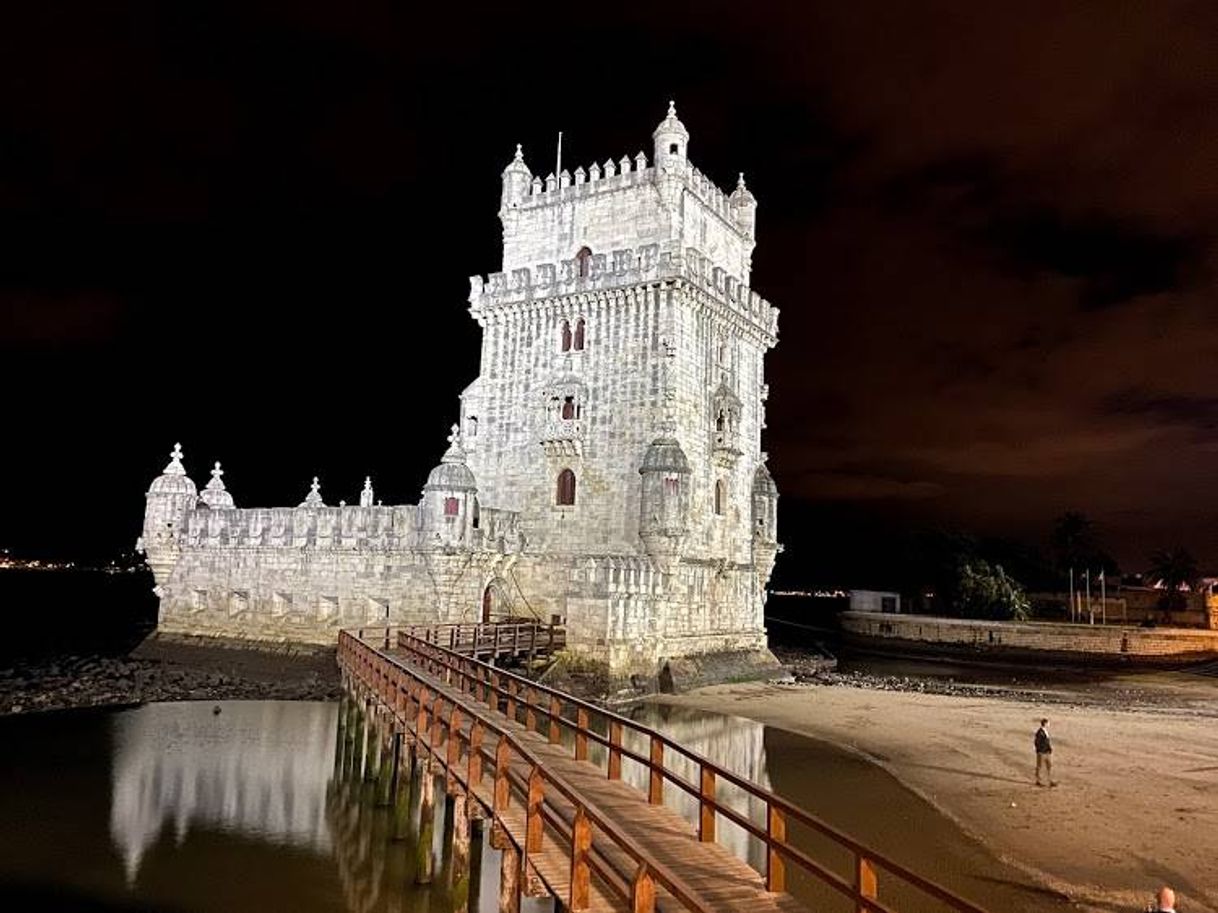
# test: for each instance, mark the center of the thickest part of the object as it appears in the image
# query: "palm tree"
(1175, 570)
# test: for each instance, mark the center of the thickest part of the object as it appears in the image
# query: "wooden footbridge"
(545, 771)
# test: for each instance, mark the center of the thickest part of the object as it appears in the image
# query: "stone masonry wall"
(1099, 640)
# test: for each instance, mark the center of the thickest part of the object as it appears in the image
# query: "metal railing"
(520, 697)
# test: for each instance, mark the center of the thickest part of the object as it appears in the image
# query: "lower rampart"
(1100, 643)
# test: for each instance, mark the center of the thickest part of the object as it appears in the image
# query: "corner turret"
(449, 498)
(744, 209)
(169, 497)
(664, 504)
(215, 495)
(516, 181)
(671, 154)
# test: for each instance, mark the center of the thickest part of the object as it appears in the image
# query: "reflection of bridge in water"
(256, 768)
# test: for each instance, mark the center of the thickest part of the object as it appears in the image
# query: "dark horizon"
(990, 233)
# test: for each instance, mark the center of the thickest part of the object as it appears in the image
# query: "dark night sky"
(990, 228)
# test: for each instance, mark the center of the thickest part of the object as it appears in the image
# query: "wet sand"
(1136, 804)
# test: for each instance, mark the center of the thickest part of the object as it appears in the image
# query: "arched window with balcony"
(565, 336)
(579, 335)
(569, 409)
(564, 494)
(583, 260)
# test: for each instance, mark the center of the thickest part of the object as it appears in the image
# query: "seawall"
(1089, 643)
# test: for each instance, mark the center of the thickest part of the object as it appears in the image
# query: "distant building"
(606, 467)
(875, 601)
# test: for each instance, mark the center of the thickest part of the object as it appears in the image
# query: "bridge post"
(615, 750)
(643, 891)
(581, 842)
(533, 820)
(427, 824)
(706, 820)
(406, 782)
(384, 777)
(340, 735)
(581, 734)
(372, 755)
(476, 833)
(459, 891)
(357, 741)
(509, 879)
(864, 882)
(655, 785)
(776, 833)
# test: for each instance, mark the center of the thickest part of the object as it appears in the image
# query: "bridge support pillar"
(372, 743)
(509, 879)
(340, 737)
(384, 777)
(427, 824)
(460, 869)
(355, 771)
(404, 786)
(475, 862)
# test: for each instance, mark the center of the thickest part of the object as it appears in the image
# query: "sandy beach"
(1136, 804)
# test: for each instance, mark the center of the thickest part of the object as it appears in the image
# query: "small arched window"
(720, 497)
(721, 421)
(568, 408)
(476, 518)
(451, 507)
(672, 486)
(584, 261)
(564, 494)
(565, 336)
(579, 335)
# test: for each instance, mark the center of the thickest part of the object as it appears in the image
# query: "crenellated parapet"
(618, 269)
(345, 527)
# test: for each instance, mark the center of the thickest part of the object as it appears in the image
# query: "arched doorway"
(488, 603)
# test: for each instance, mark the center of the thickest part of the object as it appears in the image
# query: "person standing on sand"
(1164, 902)
(1044, 754)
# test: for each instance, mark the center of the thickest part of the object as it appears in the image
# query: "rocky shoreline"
(165, 669)
(809, 668)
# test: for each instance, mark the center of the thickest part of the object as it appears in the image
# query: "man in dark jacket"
(1044, 754)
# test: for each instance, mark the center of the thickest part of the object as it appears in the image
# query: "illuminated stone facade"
(606, 467)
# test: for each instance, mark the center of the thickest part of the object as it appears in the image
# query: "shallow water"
(175, 807)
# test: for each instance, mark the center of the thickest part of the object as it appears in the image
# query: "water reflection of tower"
(256, 768)
(732, 742)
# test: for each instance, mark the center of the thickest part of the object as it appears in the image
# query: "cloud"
(830, 486)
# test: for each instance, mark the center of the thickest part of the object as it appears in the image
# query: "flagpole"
(1090, 610)
(558, 161)
(1103, 599)
(1073, 616)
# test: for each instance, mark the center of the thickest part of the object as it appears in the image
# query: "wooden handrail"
(440, 735)
(546, 703)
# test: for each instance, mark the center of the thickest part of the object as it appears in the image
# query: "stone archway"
(495, 603)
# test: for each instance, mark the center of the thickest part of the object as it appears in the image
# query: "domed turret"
(765, 505)
(169, 497)
(744, 208)
(215, 495)
(449, 497)
(671, 143)
(516, 180)
(664, 501)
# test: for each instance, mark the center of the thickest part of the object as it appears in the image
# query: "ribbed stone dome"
(173, 480)
(452, 474)
(665, 455)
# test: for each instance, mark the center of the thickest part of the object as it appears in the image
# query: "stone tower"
(621, 398)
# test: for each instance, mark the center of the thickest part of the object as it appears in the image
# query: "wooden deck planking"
(713, 874)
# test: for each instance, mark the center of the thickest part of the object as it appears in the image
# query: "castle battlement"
(648, 263)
